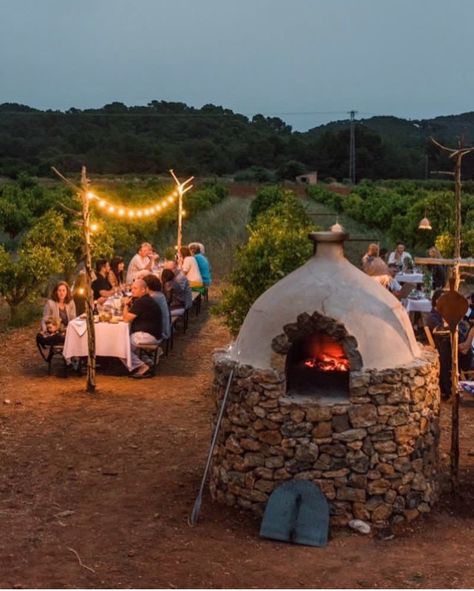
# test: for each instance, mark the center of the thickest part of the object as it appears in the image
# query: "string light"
(94, 227)
(134, 212)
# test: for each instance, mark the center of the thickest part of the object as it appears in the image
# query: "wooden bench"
(153, 351)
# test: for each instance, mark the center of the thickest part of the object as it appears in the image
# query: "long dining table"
(111, 340)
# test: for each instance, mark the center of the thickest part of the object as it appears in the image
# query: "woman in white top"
(399, 256)
(190, 267)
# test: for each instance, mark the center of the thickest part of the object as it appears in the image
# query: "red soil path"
(111, 479)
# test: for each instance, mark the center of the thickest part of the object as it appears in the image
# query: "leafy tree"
(277, 245)
(24, 276)
(265, 199)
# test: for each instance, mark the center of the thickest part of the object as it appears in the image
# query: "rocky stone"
(346, 493)
(270, 437)
(350, 435)
(265, 485)
(327, 488)
(360, 511)
(385, 446)
(335, 449)
(250, 444)
(316, 414)
(307, 453)
(406, 433)
(381, 513)
(358, 461)
(378, 487)
(296, 430)
(281, 474)
(336, 473)
(340, 423)
(274, 462)
(297, 415)
(323, 429)
(254, 459)
(265, 473)
(363, 415)
(358, 480)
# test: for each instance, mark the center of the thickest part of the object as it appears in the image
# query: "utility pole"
(352, 154)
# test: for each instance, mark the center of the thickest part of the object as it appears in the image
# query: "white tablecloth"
(111, 340)
(423, 305)
(409, 277)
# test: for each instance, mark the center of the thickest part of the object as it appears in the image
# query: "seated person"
(144, 316)
(400, 256)
(183, 283)
(143, 260)
(101, 287)
(372, 264)
(51, 335)
(61, 305)
(203, 264)
(116, 274)
(189, 267)
(393, 285)
(174, 293)
(154, 289)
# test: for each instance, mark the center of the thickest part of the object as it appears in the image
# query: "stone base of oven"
(374, 456)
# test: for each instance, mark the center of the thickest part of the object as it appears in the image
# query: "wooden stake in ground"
(457, 155)
(82, 195)
(182, 188)
(89, 299)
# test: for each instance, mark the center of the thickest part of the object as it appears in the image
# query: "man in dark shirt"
(101, 286)
(144, 316)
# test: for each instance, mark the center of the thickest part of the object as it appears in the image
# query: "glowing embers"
(317, 365)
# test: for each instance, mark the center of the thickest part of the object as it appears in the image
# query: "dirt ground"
(95, 490)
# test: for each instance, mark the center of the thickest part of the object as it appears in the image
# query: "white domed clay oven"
(330, 386)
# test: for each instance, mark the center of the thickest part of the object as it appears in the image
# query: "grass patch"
(221, 229)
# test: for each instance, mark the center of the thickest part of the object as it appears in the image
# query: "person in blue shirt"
(203, 264)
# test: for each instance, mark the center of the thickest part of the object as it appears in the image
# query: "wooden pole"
(180, 218)
(457, 155)
(182, 188)
(89, 299)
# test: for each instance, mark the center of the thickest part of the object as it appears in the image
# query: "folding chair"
(48, 352)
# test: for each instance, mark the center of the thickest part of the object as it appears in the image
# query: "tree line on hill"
(215, 141)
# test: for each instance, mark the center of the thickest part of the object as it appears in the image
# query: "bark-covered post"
(89, 299)
(457, 155)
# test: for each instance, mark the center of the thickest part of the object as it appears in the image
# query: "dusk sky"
(306, 61)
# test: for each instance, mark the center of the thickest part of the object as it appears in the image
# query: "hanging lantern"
(424, 224)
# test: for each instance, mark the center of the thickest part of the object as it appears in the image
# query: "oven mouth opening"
(317, 366)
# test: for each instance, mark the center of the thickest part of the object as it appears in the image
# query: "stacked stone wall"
(375, 456)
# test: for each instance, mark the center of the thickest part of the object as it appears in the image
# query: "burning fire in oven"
(326, 362)
(323, 353)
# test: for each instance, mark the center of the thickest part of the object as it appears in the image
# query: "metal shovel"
(197, 503)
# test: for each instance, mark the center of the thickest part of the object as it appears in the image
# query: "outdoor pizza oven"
(329, 386)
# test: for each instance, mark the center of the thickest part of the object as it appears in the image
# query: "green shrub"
(277, 245)
(266, 198)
